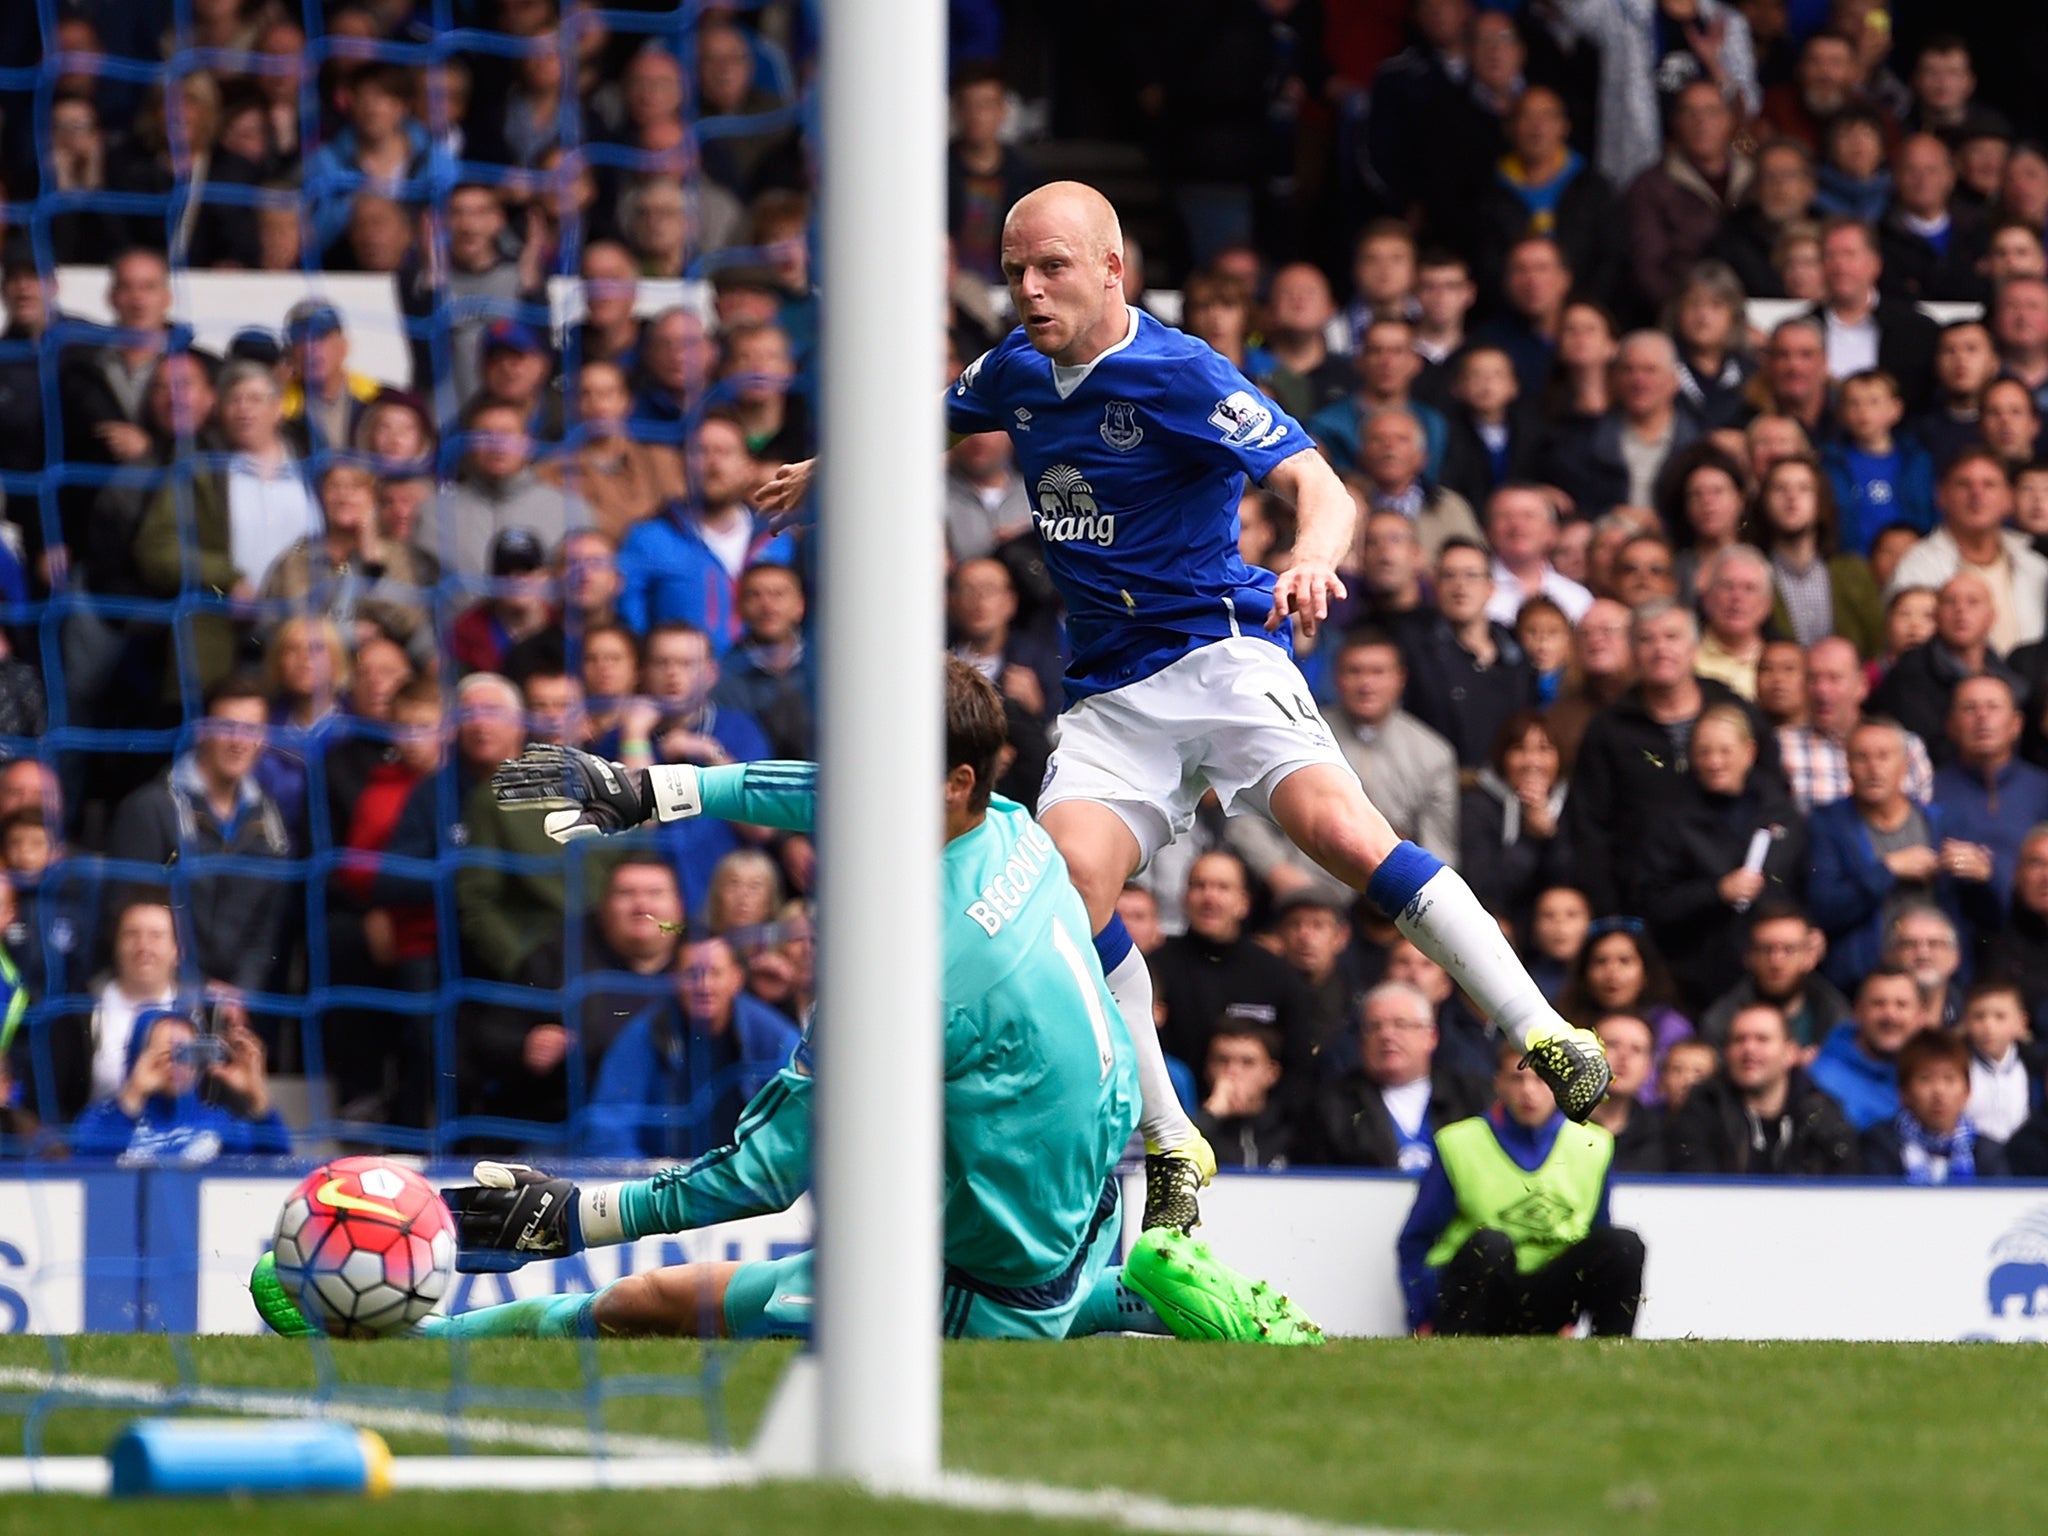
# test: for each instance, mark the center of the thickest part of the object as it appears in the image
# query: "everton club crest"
(1120, 427)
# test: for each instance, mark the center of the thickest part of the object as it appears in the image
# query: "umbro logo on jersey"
(1023, 419)
(1120, 427)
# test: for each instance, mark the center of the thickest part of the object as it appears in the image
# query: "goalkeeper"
(1040, 1100)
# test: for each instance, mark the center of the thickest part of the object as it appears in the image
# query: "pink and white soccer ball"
(365, 1246)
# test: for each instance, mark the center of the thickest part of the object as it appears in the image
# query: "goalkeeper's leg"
(539, 1317)
(680, 1301)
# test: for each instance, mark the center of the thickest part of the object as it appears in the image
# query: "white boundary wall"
(1727, 1258)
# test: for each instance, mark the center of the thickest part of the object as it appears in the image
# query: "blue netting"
(296, 1017)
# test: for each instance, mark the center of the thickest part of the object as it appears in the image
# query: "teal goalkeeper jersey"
(1041, 1088)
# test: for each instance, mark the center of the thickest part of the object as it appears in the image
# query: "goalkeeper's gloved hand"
(513, 1214)
(587, 795)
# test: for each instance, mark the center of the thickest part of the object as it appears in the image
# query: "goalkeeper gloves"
(514, 1214)
(589, 796)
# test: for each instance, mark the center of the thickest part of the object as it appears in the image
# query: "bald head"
(1073, 207)
(1063, 259)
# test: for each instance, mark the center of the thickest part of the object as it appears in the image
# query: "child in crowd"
(1486, 393)
(2030, 504)
(2005, 1082)
(1557, 932)
(1853, 177)
(1908, 622)
(1546, 634)
(1879, 476)
(1932, 1139)
(1889, 548)
(25, 847)
(1686, 1065)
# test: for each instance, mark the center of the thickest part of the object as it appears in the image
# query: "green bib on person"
(1544, 1212)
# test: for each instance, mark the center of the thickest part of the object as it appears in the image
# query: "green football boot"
(1200, 1297)
(273, 1304)
(1573, 1062)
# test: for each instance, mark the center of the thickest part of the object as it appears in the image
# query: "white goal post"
(882, 139)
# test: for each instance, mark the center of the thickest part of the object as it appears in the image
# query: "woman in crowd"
(1821, 589)
(1797, 258)
(1216, 308)
(1731, 836)
(1619, 970)
(741, 902)
(397, 434)
(1512, 820)
(1706, 320)
(1706, 503)
(1577, 395)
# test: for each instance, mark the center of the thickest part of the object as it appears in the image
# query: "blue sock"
(1401, 877)
(1113, 943)
(1453, 929)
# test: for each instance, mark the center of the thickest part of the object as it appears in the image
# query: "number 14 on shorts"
(1303, 712)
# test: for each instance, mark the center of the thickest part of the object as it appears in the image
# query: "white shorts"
(1234, 716)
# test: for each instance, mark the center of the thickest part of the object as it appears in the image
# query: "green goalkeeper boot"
(273, 1304)
(1200, 1297)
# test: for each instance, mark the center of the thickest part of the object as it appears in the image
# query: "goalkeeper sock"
(1113, 1307)
(540, 1317)
(1165, 1124)
(1433, 906)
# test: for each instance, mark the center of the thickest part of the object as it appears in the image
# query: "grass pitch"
(1539, 1437)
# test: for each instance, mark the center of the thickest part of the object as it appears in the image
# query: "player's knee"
(664, 1303)
(1097, 865)
(1098, 885)
(623, 1307)
(1334, 824)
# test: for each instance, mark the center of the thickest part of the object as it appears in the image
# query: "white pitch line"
(116, 1391)
(1131, 1511)
(1109, 1506)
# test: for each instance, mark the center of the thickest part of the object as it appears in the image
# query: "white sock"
(1447, 923)
(1164, 1122)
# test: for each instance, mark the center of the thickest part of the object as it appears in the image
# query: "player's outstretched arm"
(764, 1169)
(1324, 515)
(514, 1215)
(586, 796)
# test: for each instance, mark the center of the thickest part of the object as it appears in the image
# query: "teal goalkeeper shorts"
(771, 1298)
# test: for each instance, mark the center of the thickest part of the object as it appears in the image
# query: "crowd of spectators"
(1712, 652)
(1705, 635)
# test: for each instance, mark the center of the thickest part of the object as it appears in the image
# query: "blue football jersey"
(1133, 466)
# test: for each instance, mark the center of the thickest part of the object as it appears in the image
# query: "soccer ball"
(365, 1247)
